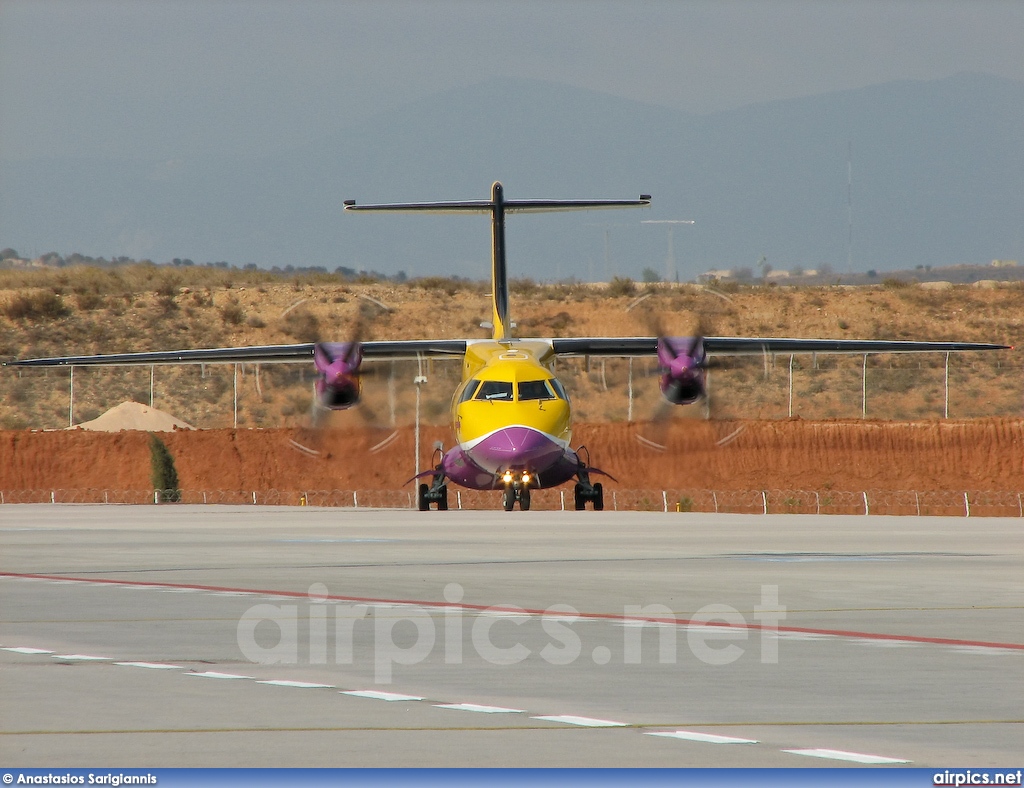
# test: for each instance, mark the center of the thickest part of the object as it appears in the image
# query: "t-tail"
(498, 207)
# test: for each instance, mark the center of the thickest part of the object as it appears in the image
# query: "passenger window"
(534, 389)
(495, 390)
(469, 391)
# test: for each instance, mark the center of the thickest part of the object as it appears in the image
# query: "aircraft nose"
(523, 446)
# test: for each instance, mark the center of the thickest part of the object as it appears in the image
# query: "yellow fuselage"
(509, 389)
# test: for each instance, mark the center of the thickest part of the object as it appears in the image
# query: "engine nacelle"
(683, 366)
(337, 365)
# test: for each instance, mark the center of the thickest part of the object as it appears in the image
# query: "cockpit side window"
(469, 391)
(534, 389)
(492, 390)
(559, 389)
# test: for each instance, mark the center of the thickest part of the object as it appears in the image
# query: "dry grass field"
(89, 310)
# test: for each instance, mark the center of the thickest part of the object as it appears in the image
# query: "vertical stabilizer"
(499, 273)
(497, 207)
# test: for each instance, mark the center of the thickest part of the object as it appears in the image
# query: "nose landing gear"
(517, 488)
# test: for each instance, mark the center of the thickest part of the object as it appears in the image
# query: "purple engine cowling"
(682, 362)
(337, 365)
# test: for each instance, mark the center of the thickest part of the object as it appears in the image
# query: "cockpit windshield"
(534, 389)
(495, 390)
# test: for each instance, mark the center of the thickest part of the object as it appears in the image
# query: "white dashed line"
(589, 722)
(302, 684)
(179, 590)
(476, 707)
(988, 651)
(884, 643)
(26, 650)
(209, 674)
(231, 593)
(150, 665)
(82, 657)
(709, 738)
(389, 696)
(840, 755)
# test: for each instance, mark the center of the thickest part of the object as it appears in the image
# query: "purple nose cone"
(517, 447)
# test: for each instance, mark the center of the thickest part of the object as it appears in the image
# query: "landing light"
(507, 478)
(526, 478)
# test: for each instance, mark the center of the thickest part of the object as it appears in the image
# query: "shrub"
(38, 305)
(163, 473)
(621, 286)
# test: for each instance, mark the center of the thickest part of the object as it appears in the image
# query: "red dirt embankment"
(985, 454)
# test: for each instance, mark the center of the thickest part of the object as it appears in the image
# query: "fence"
(968, 503)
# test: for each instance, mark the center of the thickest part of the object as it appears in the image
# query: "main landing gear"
(517, 488)
(585, 491)
(435, 492)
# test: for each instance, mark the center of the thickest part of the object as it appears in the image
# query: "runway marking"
(300, 684)
(82, 657)
(840, 755)
(587, 722)
(709, 738)
(26, 650)
(210, 674)
(893, 644)
(377, 695)
(150, 665)
(478, 708)
(793, 632)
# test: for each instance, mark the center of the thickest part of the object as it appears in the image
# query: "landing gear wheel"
(524, 499)
(598, 497)
(421, 498)
(442, 502)
(579, 498)
(508, 499)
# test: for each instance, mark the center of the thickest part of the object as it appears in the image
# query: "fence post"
(355, 499)
(458, 497)
(664, 499)
(791, 385)
(945, 412)
(817, 503)
(204, 496)
(967, 506)
(917, 502)
(864, 389)
(714, 498)
(866, 510)
(53, 497)
(764, 500)
(1020, 505)
(561, 498)
(615, 502)
(253, 497)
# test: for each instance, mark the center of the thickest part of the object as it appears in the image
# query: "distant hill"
(937, 179)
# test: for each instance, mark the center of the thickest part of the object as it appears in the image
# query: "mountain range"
(889, 176)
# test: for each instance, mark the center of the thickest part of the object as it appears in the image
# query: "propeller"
(682, 366)
(339, 384)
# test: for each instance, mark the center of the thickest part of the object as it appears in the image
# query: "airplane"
(510, 415)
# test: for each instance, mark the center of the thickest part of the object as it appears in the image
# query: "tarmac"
(174, 636)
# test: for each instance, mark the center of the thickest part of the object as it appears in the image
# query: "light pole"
(671, 274)
(418, 382)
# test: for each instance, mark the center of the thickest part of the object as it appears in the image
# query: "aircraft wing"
(735, 346)
(256, 354)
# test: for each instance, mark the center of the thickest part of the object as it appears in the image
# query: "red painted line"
(842, 633)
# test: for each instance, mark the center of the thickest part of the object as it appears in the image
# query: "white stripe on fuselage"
(469, 445)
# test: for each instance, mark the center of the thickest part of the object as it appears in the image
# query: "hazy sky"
(154, 78)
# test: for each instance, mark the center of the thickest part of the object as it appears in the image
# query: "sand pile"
(134, 416)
